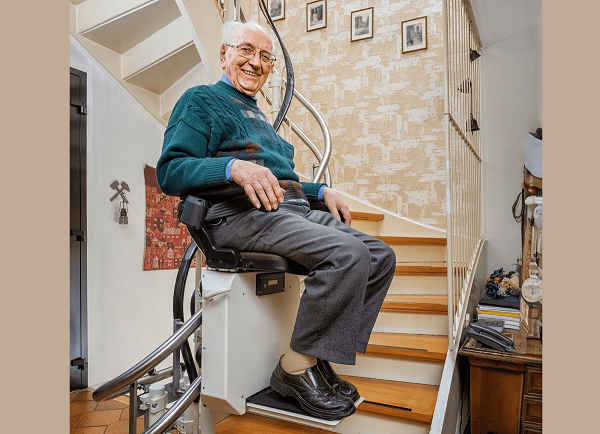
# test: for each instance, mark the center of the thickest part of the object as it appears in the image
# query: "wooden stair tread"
(430, 347)
(254, 424)
(412, 241)
(416, 303)
(396, 398)
(421, 269)
(369, 216)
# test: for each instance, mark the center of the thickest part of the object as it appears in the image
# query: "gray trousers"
(350, 273)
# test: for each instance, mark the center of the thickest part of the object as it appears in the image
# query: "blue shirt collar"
(224, 79)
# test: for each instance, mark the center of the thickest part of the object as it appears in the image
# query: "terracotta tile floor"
(109, 417)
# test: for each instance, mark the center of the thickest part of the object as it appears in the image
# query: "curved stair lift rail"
(109, 388)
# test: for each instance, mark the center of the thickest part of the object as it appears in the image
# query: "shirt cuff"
(228, 170)
(320, 194)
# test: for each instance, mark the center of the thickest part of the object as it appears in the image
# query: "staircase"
(399, 376)
(156, 49)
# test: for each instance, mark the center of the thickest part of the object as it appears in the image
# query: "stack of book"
(501, 309)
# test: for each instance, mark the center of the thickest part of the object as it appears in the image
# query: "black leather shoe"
(313, 393)
(343, 387)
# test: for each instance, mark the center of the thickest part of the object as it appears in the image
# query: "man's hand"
(258, 183)
(336, 205)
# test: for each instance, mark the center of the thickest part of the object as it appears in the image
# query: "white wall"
(129, 310)
(511, 107)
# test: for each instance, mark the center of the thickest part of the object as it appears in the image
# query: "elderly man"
(217, 134)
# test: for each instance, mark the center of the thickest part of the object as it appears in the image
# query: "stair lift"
(243, 314)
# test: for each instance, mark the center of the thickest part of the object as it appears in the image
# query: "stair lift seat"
(243, 334)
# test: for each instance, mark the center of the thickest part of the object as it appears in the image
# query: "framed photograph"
(276, 9)
(316, 15)
(362, 24)
(414, 34)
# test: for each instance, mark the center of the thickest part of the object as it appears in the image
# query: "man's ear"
(222, 55)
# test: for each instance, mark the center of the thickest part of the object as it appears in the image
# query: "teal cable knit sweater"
(211, 125)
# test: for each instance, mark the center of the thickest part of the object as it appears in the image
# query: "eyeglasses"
(249, 52)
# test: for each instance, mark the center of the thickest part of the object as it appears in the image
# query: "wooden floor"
(109, 417)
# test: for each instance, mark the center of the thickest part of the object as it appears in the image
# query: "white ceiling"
(498, 20)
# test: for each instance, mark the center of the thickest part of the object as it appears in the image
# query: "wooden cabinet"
(506, 389)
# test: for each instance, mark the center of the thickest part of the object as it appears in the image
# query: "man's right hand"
(259, 184)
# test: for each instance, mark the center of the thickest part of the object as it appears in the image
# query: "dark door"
(78, 235)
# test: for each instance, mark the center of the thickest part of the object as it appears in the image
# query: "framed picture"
(316, 15)
(276, 9)
(414, 34)
(362, 24)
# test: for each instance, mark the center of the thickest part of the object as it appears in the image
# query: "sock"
(295, 363)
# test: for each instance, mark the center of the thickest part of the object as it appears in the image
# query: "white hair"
(229, 32)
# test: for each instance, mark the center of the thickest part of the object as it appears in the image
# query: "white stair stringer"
(393, 368)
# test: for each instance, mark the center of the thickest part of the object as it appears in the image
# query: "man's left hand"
(336, 205)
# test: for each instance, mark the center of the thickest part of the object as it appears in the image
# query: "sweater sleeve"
(185, 162)
(311, 189)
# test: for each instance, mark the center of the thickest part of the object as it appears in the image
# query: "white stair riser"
(394, 368)
(160, 45)
(420, 254)
(366, 226)
(368, 423)
(419, 285)
(412, 323)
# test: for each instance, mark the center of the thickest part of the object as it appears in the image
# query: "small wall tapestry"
(166, 238)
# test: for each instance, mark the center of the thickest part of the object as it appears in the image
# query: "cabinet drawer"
(531, 428)
(532, 409)
(533, 381)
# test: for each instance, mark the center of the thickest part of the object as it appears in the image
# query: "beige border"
(35, 216)
(571, 240)
(35, 177)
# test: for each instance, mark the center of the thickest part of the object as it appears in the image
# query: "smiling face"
(246, 75)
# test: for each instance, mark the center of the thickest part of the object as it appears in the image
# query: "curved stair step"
(430, 303)
(412, 241)
(394, 398)
(368, 216)
(428, 347)
(254, 424)
(421, 269)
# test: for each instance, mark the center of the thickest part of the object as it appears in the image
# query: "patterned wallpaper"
(384, 108)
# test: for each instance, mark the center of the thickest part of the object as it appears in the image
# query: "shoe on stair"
(313, 393)
(343, 387)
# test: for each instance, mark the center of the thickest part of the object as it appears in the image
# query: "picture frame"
(316, 15)
(414, 34)
(361, 24)
(276, 9)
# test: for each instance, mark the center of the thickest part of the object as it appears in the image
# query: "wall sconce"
(123, 220)
(473, 54)
(474, 126)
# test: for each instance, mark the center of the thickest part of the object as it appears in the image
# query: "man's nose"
(255, 60)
